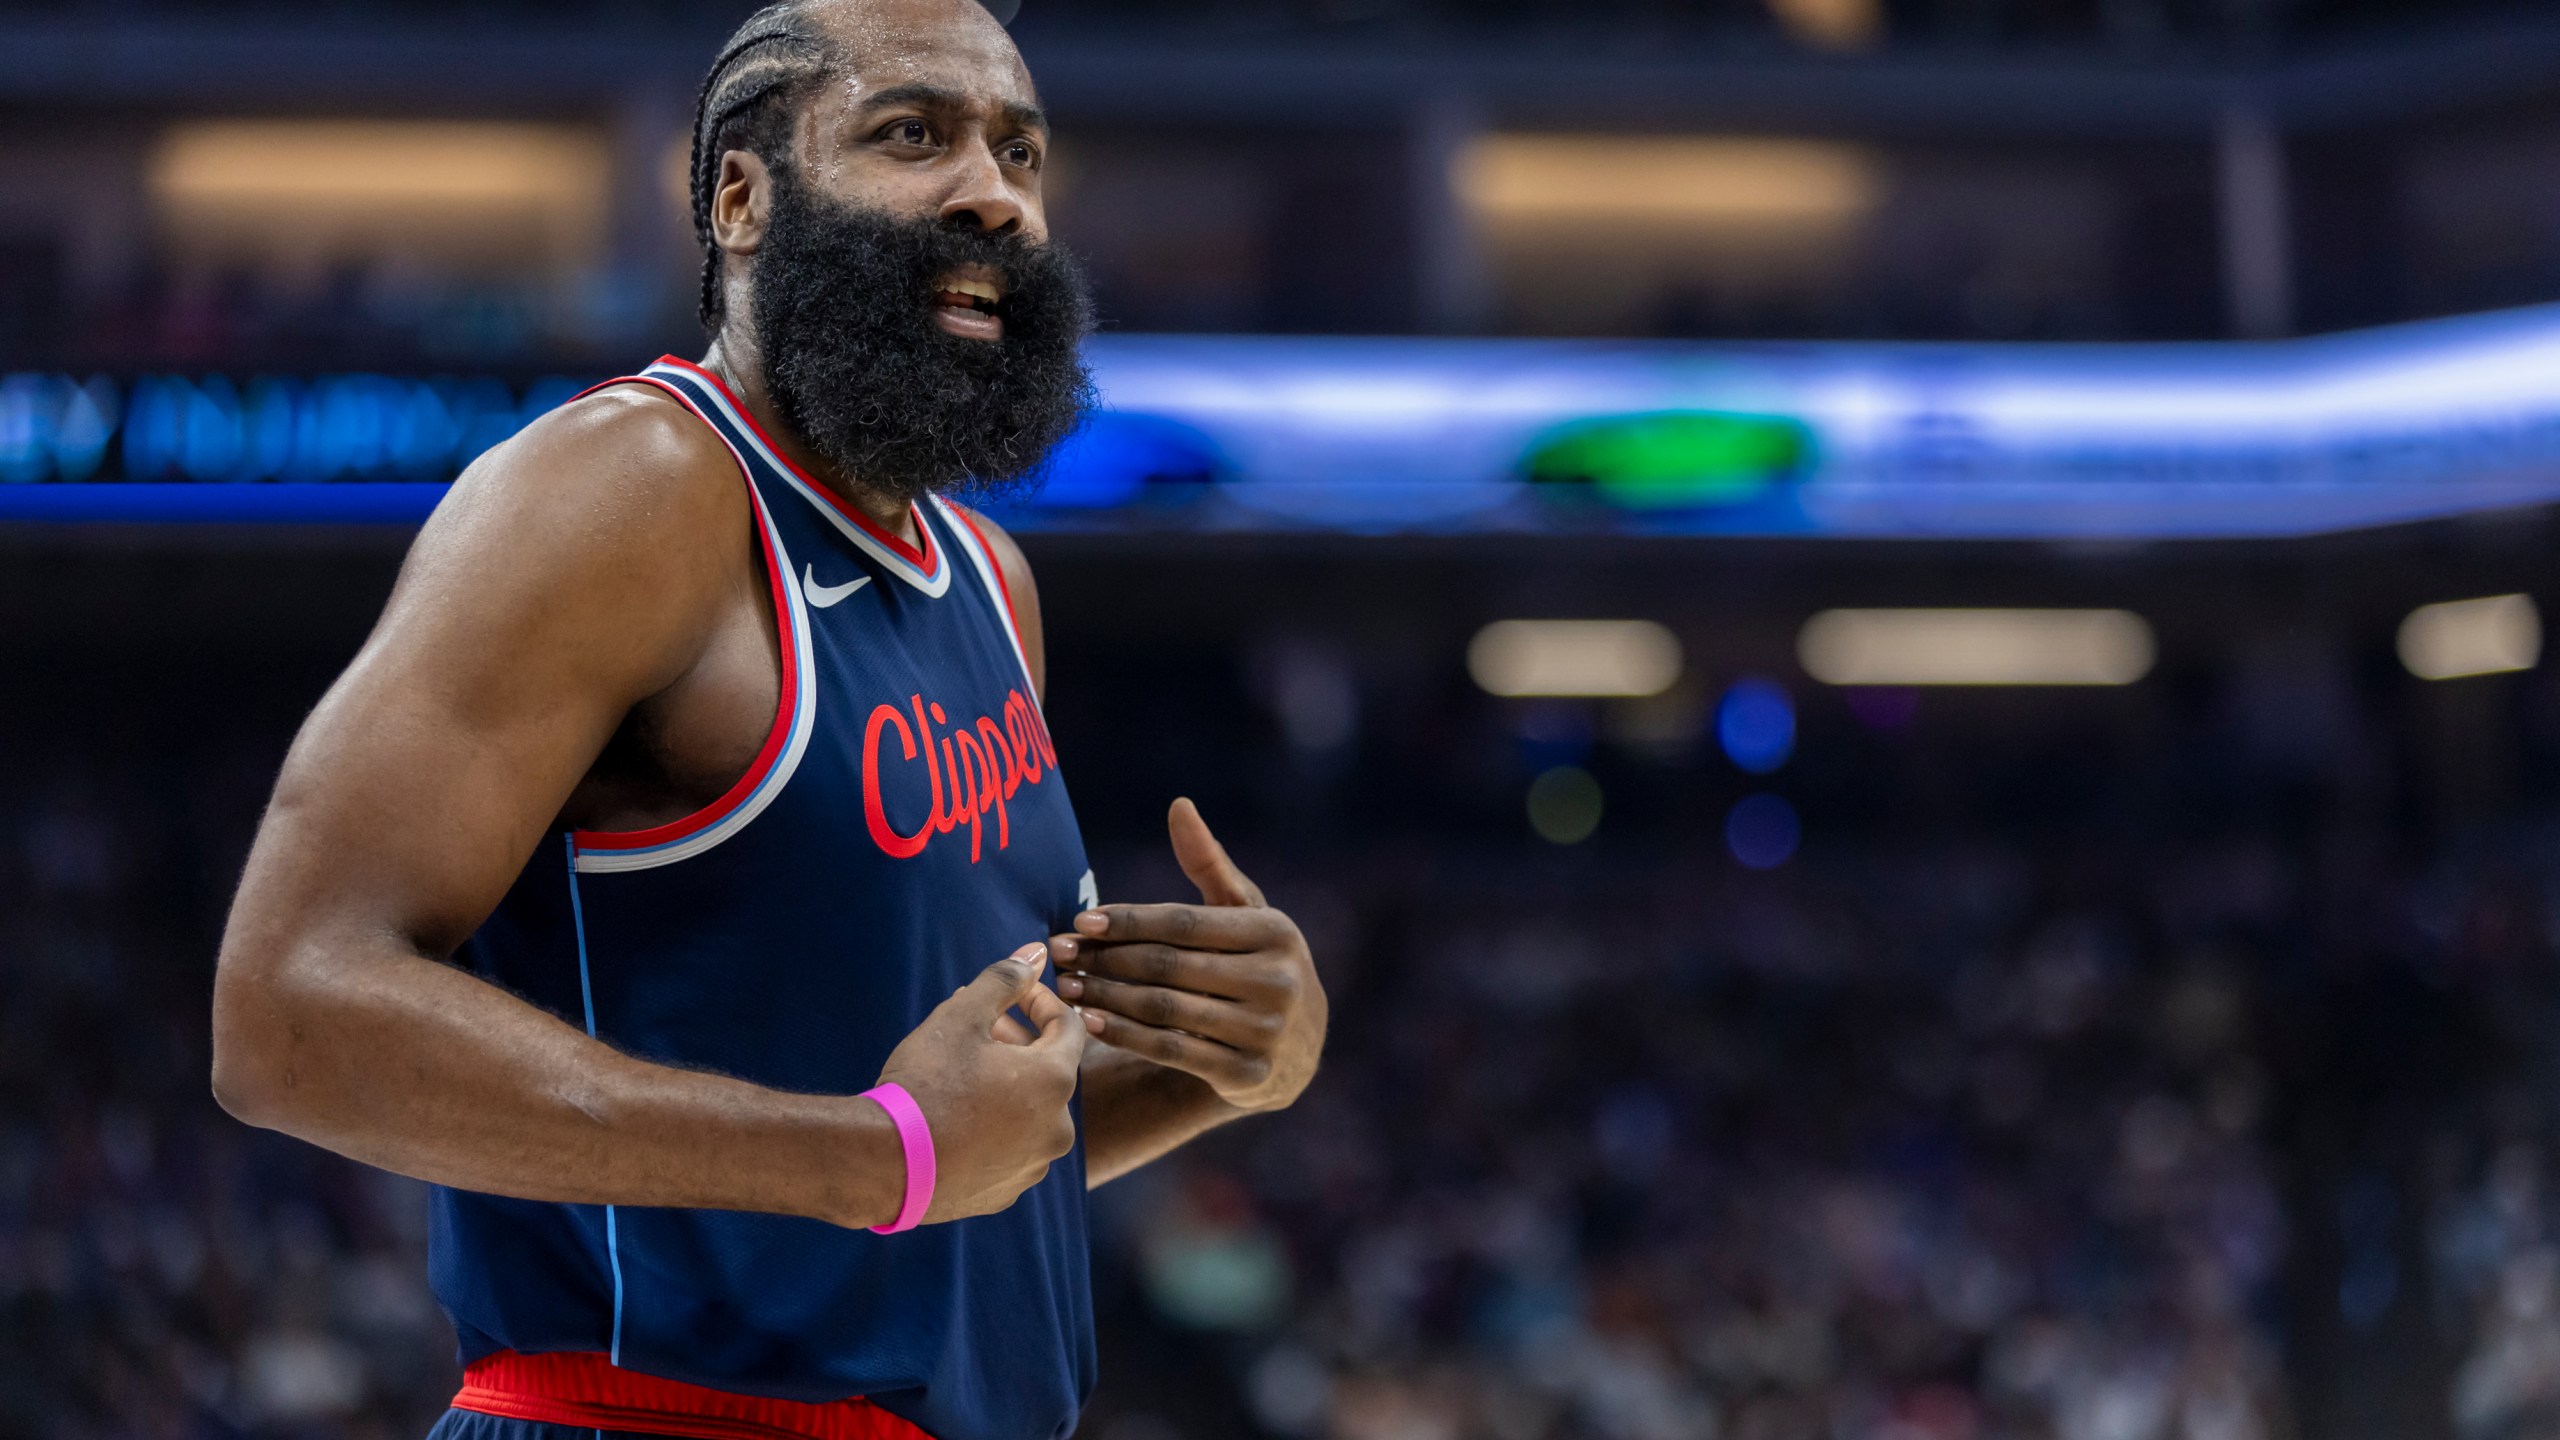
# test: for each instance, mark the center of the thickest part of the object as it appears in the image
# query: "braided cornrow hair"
(745, 106)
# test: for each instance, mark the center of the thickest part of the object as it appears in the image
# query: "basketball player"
(638, 884)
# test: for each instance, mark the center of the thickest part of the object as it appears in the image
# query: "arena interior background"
(1736, 1035)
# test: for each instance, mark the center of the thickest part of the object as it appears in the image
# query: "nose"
(982, 197)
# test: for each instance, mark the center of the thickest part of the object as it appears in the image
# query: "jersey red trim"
(995, 562)
(589, 1392)
(923, 559)
(777, 737)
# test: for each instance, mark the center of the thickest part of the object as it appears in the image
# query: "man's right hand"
(997, 1106)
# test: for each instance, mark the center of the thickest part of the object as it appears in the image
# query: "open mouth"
(970, 303)
(976, 295)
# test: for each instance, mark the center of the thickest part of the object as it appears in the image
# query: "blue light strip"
(1384, 436)
(353, 503)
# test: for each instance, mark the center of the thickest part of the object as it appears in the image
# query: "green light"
(1674, 460)
(1565, 805)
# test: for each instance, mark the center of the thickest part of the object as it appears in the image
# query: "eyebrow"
(935, 97)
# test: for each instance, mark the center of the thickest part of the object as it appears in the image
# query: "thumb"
(1001, 986)
(1205, 860)
(1062, 1027)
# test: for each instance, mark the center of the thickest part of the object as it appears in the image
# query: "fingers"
(1042, 1006)
(1192, 927)
(1012, 1031)
(1220, 1020)
(1225, 975)
(1221, 1065)
(1205, 861)
(1061, 1027)
(1064, 1035)
(1003, 985)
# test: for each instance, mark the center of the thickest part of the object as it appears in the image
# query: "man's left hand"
(1224, 990)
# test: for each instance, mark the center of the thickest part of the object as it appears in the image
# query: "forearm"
(389, 1057)
(1137, 1112)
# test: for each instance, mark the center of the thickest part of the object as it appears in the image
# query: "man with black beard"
(638, 884)
(842, 299)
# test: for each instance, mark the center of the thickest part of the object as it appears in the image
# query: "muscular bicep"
(573, 574)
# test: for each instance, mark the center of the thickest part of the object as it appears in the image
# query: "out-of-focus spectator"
(2021, 1124)
(1599, 1166)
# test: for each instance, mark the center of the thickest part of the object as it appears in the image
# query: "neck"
(733, 357)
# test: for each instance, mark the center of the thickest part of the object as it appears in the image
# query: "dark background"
(2045, 169)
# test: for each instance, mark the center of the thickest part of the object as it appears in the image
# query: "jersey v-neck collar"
(922, 565)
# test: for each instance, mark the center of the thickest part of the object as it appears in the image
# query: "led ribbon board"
(1384, 436)
(1954, 441)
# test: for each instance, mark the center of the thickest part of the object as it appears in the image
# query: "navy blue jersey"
(904, 827)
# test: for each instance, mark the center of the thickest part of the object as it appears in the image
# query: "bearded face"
(919, 356)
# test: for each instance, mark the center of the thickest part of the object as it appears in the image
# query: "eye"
(908, 132)
(1022, 153)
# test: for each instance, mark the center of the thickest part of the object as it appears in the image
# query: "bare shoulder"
(617, 520)
(627, 457)
(1021, 591)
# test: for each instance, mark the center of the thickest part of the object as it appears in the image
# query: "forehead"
(953, 46)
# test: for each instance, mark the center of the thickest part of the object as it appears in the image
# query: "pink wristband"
(916, 1139)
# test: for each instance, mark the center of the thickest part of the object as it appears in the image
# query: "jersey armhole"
(785, 738)
(985, 555)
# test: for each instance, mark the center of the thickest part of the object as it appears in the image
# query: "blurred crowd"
(1955, 1139)
(360, 316)
(1902, 1149)
(2179, 1078)
(166, 1274)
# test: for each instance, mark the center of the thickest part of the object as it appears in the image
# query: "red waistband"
(590, 1392)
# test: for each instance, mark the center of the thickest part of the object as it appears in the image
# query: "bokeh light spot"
(1756, 725)
(1565, 805)
(1763, 832)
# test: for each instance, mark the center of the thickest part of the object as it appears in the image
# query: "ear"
(741, 202)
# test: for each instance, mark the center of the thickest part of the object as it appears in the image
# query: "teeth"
(979, 289)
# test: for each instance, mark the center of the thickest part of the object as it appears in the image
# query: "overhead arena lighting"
(1599, 658)
(1669, 178)
(1976, 647)
(486, 192)
(1832, 24)
(2494, 636)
